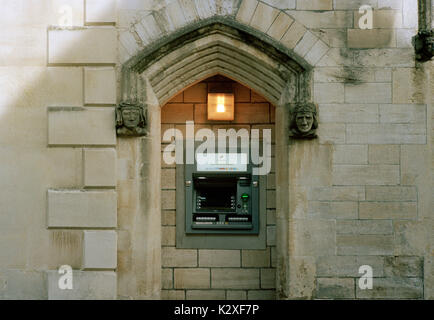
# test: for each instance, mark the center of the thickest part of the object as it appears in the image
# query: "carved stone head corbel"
(303, 121)
(131, 119)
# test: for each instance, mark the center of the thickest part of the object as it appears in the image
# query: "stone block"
(313, 237)
(172, 257)
(99, 167)
(168, 179)
(261, 295)
(100, 11)
(314, 4)
(390, 4)
(404, 38)
(386, 133)
(332, 210)
(337, 193)
(323, 19)
(411, 237)
(414, 169)
(271, 217)
(305, 44)
(190, 278)
(329, 93)
(335, 288)
(384, 154)
(364, 244)
(382, 19)
(350, 154)
(403, 266)
(271, 199)
(205, 295)
(81, 126)
(366, 175)
(348, 266)
(205, 9)
(348, 113)
(364, 227)
(99, 250)
(393, 288)
(409, 14)
(168, 199)
(229, 278)
(368, 93)
(167, 278)
(168, 218)
(391, 193)
(82, 46)
(255, 258)
(263, 17)
(315, 54)
(281, 4)
(246, 11)
(87, 285)
(388, 210)
(293, 35)
(100, 85)
(280, 26)
(81, 209)
(268, 278)
(413, 113)
(331, 133)
(354, 4)
(22, 285)
(271, 236)
(168, 235)
(408, 86)
(172, 294)
(236, 295)
(219, 258)
(384, 58)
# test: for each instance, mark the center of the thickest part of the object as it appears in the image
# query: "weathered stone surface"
(168, 236)
(305, 44)
(348, 113)
(334, 288)
(392, 288)
(166, 278)
(368, 93)
(205, 295)
(374, 38)
(403, 267)
(364, 227)
(76, 208)
(333, 210)
(196, 278)
(388, 210)
(382, 19)
(230, 278)
(81, 126)
(100, 85)
(280, 26)
(82, 46)
(365, 174)
(350, 154)
(255, 258)
(348, 266)
(392, 193)
(100, 250)
(337, 193)
(219, 258)
(172, 257)
(173, 294)
(23, 285)
(293, 35)
(268, 278)
(236, 295)
(100, 11)
(246, 11)
(364, 244)
(314, 4)
(261, 295)
(313, 237)
(315, 54)
(87, 285)
(329, 93)
(263, 17)
(384, 154)
(402, 113)
(386, 133)
(99, 167)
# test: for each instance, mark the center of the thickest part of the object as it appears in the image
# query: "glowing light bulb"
(220, 104)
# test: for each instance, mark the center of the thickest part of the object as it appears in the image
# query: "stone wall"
(206, 273)
(359, 194)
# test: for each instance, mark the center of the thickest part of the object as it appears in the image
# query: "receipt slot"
(221, 195)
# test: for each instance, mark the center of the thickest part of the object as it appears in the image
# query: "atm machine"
(221, 195)
(221, 204)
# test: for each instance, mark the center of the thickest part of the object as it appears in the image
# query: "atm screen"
(215, 194)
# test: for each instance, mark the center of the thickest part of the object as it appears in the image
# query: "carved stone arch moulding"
(219, 46)
(216, 46)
